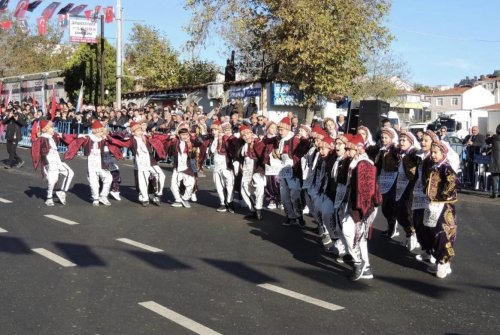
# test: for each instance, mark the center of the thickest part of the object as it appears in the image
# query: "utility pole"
(102, 61)
(119, 53)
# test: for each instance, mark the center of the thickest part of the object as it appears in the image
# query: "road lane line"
(139, 245)
(302, 297)
(5, 201)
(177, 318)
(53, 257)
(60, 219)
(3, 231)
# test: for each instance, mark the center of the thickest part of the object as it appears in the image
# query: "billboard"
(82, 30)
(283, 95)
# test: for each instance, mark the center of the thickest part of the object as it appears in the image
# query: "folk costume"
(44, 151)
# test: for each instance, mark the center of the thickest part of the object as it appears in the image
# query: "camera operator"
(14, 121)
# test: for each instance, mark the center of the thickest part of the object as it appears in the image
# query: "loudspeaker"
(370, 114)
(352, 120)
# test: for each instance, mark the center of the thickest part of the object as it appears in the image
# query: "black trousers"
(12, 151)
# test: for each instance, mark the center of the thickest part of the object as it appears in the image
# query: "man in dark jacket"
(473, 144)
(14, 121)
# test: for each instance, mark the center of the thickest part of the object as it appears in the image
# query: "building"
(411, 107)
(460, 98)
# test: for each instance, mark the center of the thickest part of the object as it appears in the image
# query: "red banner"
(49, 11)
(88, 14)
(5, 25)
(21, 8)
(77, 10)
(109, 14)
(41, 24)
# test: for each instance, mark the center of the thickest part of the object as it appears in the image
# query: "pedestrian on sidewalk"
(494, 141)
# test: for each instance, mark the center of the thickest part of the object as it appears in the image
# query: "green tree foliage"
(150, 57)
(83, 67)
(27, 52)
(317, 45)
(197, 72)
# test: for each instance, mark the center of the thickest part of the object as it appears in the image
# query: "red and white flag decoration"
(97, 10)
(62, 21)
(5, 25)
(109, 14)
(77, 10)
(21, 8)
(49, 10)
(41, 24)
(88, 14)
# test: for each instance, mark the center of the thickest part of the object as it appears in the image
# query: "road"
(126, 269)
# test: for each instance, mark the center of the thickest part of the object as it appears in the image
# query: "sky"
(440, 41)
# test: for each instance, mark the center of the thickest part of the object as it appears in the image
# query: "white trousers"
(184, 178)
(256, 188)
(52, 172)
(143, 181)
(356, 236)
(290, 197)
(325, 214)
(224, 183)
(93, 178)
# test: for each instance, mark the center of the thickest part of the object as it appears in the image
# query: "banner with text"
(82, 30)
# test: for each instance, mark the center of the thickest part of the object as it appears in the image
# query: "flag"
(9, 97)
(80, 99)
(97, 10)
(62, 21)
(66, 8)
(33, 5)
(21, 8)
(41, 24)
(88, 14)
(23, 25)
(49, 10)
(3, 5)
(5, 25)
(77, 10)
(53, 103)
(109, 14)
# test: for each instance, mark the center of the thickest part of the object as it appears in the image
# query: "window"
(454, 101)
(439, 101)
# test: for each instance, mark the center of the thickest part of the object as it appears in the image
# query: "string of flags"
(70, 9)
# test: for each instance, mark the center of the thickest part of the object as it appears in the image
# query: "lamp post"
(119, 53)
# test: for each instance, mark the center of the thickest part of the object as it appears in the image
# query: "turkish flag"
(77, 10)
(3, 5)
(109, 14)
(88, 14)
(41, 24)
(21, 8)
(49, 10)
(5, 25)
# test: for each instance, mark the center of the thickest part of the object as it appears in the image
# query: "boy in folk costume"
(179, 149)
(440, 216)
(110, 161)
(420, 201)
(93, 148)
(337, 190)
(253, 180)
(223, 167)
(290, 149)
(305, 133)
(363, 199)
(405, 182)
(272, 189)
(387, 162)
(44, 150)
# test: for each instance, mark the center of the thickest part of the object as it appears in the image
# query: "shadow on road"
(160, 261)
(241, 271)
(79, 254)
(427, 289)
(14, 245)
(36, 192)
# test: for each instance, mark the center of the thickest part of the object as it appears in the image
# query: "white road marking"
(3, 231)
(302, 297)
(60, 219)
(53, 257)
(177, 318)
(5, 201)
(139, 245)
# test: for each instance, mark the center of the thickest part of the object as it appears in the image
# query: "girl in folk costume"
(441, 215)
(405, 182)
(387, 162)
(330, 127)
(371, 147)
(253, 180)
(420, 201)
(97, 169)
(44, 150)
(110, 161)
(363, 200)
(148, 174)
(336, 191)
(304, 134)
(272, 190)
(290, 149)
(223, 167)
(180, 148)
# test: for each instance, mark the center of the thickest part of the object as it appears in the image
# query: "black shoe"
(258, 214)
(493, 196)
(358, 270)
(289, 222)
(230, 208)
(301, 222)
(222, 209)
(252, 215)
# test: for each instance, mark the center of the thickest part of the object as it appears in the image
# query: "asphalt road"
(218, 273)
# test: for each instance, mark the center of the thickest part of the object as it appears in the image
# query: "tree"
(317, 45)
(150, 57)
(83, 67)
(195, 72)
(24, 52)
(384, 73)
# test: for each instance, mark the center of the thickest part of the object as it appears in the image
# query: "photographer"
(14, 121)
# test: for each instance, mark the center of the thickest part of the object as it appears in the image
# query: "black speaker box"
(369, 114)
